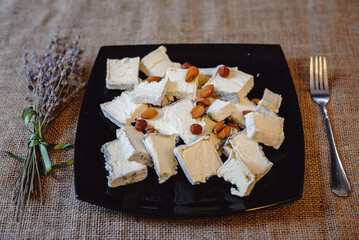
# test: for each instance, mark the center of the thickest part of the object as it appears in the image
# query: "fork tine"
(311, 74)
(320, 82)
(325, 85)
(316, 73)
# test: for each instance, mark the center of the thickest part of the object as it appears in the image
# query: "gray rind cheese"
(121, 171)
(131, 141)
(199, 160)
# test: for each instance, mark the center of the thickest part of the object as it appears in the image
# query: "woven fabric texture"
(302, 28)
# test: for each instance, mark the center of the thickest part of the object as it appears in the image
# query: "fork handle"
(338, 180)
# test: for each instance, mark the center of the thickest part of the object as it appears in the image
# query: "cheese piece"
(160, 147)
(235, 171)
(178, 115)
(122, 111)
(251, 154)
(198, 160)
(209, 124)
(160, 123)
(271, 100)
(122, 73)
(121, 171)
(156, 63)
(267, 130)
(236, 84)
(265, 110)
(237, 116)
(204, 75)
(179, 88)
(220, 110)
(150, 92)
(131, 141)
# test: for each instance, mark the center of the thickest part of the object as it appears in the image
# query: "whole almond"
(204, 101)
(223, 71)
(153, 79)
(186, 65)
(218, 127)
(191, 74)
(232, 125)
(207, 90)
(255, 100)
(246, 112)
(149, 113)
(196, 129)
(141, 124)
(197, 111)
(150, 130)
(224, 133)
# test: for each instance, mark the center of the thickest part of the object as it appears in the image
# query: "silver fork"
(319, 91)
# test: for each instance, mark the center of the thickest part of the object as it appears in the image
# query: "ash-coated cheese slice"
(251, 154)
(160, 147)
(199, 160)
(267, 130)
(156, 63)
(122, 73)
(235, 171)
(150, 92)
(121, 171)
(236, 83)
(131, 140)
(122, 111)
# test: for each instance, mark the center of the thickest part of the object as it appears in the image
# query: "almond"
(196, 129)
(191, 74)
(149, 113)
(150, 130)
(141, 124)
(153, 79)
(186, 65)
(204, 101)
(207, 90)
(197, 111)
(232, 125)
(255, 100)
(218, 127)
(224, 133)
(246, 112)
(223, 71)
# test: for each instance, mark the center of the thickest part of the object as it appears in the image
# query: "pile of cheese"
(132, 152)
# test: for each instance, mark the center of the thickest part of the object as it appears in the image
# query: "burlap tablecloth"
(302, 28)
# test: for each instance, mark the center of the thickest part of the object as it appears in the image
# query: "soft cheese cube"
(160, 147)
(267, 130)
(161, 123)
(271, 100)
(122, 73)
(235, 171)
(220, 110)
(237, 116)
(150, 92)
(236, 83)
(251, 153)
(178, 115)
(121, 171)
(156, 63)
(199, 160)
(179, 88)
(122, 110)
(131, 140)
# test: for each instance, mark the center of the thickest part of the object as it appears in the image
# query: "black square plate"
(177, 197)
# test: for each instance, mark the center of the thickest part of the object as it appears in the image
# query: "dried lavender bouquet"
(53, 80)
